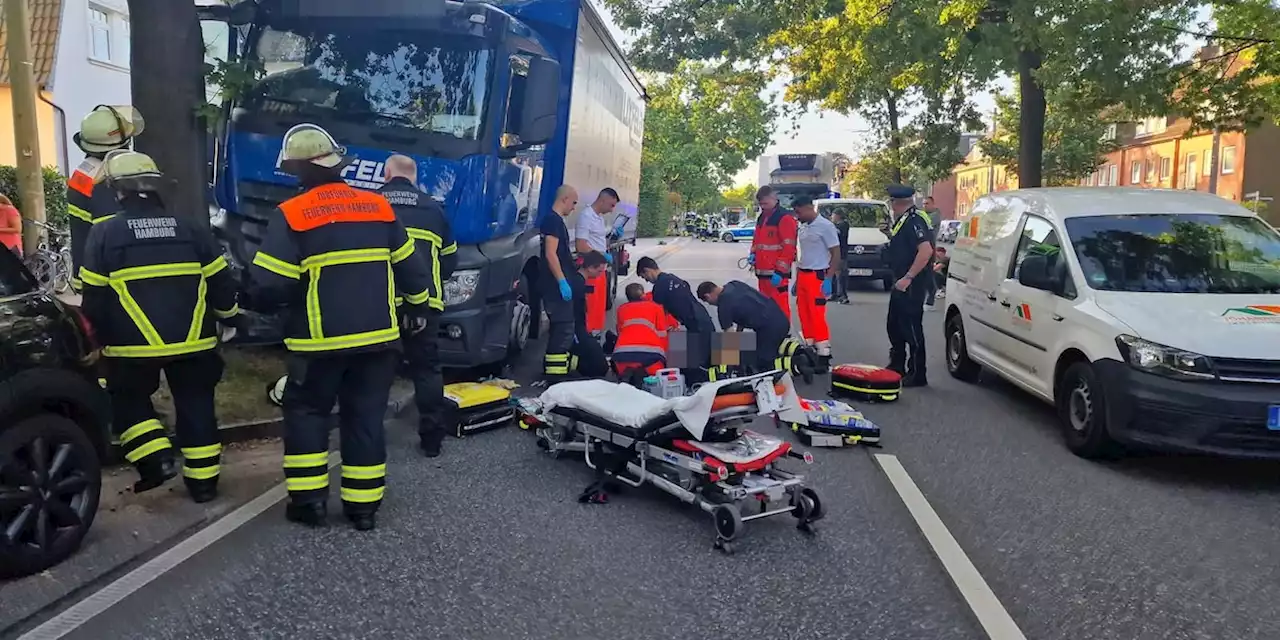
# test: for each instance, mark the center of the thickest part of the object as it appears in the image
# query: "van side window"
(1039, 237)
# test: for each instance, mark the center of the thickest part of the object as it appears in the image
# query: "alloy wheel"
(44, 494)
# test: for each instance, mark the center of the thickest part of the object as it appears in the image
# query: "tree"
(167, 57)
(739, 196)
(1073, 141)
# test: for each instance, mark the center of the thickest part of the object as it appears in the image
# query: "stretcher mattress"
(631, 408)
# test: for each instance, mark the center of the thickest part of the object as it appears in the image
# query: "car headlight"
(461, 287)
(1165, 361)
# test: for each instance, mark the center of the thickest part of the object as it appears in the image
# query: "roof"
(848, 201)
(1076, 202)
(46, 22)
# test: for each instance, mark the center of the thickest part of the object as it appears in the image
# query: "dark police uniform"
(560, 333)
(424, 220)
(746, 307)
(906, 308)
(154, 286)
(677, 299)
(337, 256)
(841, 284)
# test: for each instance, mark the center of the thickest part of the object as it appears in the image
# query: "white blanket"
(628, 406)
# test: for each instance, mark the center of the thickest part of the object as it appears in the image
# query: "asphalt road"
(488, 541)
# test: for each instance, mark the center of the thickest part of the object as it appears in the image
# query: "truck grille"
(1242, 370)
(257, 202)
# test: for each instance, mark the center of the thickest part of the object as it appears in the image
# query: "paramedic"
(773, 249)
(642, 335)
(909, 252)
(555, 269)
(738, 304)
(816, 272)
(155, 287)
(342, 251)
(104, 130)
(591, 234)
(677, 299)
(424, 220)
(587, 356)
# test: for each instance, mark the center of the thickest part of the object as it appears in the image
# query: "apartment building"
(977, 176)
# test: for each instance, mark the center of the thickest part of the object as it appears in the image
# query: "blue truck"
(500, 102)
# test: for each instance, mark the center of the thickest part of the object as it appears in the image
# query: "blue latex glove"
(776, 280)
(608, 257)
(826, 288)
(793, 288)
(751, 259)
(565, 292)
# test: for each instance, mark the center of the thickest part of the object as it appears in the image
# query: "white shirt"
(591, 228)
(815, 240)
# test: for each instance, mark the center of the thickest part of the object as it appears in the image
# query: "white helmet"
(310, 144)
(108, 128)
(275, 392)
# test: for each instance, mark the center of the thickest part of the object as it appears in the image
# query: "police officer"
(677, 298)
(424, 220)
(737, 304)
(555, 270)
(155, 285)
(329, 255)
(104, 130)
(910, 250)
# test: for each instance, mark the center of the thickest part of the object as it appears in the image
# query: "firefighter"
(425, 221)
(677, 299)
(154, 287)
(816, 272)
(592, 234)
(104, 130)
(641, 348)
(329, 255)
(737, 304)
(555, 269)
(909, 252)
(773, 249)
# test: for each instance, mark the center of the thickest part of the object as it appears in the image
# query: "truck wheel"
(523, 325)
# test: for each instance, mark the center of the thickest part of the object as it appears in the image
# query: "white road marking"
(100, 601)
(995, 620)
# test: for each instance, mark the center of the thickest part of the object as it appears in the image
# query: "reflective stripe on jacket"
(86, 206)
(774, 244)
(642, 327)
(425, 221)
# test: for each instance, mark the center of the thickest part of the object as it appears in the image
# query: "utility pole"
(26, 136)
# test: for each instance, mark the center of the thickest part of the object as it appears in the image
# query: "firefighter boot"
(154, 471)
(312, 514)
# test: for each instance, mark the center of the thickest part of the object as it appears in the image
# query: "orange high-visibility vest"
(642, 327)
(774, 244)
(671, 321)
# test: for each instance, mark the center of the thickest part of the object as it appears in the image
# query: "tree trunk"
(167, 56)
(895, 136)
(1031, 122)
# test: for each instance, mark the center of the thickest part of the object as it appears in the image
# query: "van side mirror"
(1035, 272)
(541, 102)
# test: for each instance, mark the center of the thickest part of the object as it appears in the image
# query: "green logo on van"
(1253, 314)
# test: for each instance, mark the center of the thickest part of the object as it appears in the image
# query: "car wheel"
(50, 482)
(958, 363)
(728, 237)
(1082, 409)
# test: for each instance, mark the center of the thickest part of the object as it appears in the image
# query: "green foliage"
(875, 171)
(1235, 89)
(230, 81)
(740, 196)
(1073, 144)
(55, 193)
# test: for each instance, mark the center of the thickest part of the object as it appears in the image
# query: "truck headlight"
(461, 287)
(1164, 361)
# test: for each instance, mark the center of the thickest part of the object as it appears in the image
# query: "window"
(99, 34)
(1208, 163)
(1166, 168)
(1228, 160)
(1151, 170)
(1135, 172)
(1110, 133)
(1039, 236)
(1152, 126)
(1190, 175)
(1114, 179)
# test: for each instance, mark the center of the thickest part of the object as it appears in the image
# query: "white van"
(1147, 317)
(866, 218)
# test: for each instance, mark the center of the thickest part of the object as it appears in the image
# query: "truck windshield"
(1185, 253)
(413, 79)
(857, 214)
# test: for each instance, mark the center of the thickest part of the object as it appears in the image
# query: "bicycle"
(51, 261)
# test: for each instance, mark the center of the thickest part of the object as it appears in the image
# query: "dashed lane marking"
(995, 620)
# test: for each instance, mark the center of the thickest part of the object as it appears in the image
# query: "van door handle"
(1005, 303)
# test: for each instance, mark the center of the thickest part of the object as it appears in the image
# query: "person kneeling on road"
(641, 349)
(587, 357)
(737, 304)
(154, 286)
(677, 299)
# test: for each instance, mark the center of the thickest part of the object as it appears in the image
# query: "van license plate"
(859, 272)
(1273, 418)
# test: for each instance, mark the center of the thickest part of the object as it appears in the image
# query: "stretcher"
(695, 447)
(831, 423)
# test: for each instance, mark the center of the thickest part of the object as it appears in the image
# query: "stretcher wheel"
(728, 523)
(808, 509)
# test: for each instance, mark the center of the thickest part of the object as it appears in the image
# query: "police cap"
(901, 192)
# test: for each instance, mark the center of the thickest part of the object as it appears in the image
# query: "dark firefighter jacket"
(742, 305)
(154, 284)
(336, 256)
(675, 296)
(426, 223)
(86, 205)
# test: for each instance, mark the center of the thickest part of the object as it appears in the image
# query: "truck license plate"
(1273, 418)
(859, 272)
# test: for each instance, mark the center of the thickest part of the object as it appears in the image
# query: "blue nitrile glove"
(776, 280)
(751, 259)
(793, 288)
(608, 257)
(565, 292)
(826, 288)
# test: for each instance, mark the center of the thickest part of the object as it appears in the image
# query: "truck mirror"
(541, 101)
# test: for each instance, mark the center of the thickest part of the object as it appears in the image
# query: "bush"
(55, 193)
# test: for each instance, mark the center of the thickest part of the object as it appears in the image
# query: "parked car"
(744, 230)
(948, 230)
(1147, 317)
(867, 242)
(54, 419)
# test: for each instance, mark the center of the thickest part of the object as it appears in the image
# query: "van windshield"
(1183, 253)
(857, 214)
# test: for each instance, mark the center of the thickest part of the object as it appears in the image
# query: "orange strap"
(82, 183)
(740, 399)
(333, 203)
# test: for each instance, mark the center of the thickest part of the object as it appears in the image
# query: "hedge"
(55, 193)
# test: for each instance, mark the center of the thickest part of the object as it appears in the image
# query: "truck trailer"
(499, 102)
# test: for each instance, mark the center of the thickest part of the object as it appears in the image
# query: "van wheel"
(958, 363)
(1082, 408)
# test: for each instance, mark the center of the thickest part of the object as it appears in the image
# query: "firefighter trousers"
(560, 334)
(780, 294)
(811, 305)
(192, 378)
(359, 383)
(597, 297)
(422, 351)
(906, 333)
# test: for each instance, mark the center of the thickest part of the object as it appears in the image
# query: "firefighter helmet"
(108, 128)
(126, 170)
(309, 144)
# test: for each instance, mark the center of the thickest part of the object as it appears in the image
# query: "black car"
(54, 419)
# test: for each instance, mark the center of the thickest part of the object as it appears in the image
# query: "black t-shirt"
(553, 225)
(906, 242)
(741, 304)
(677, 298)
